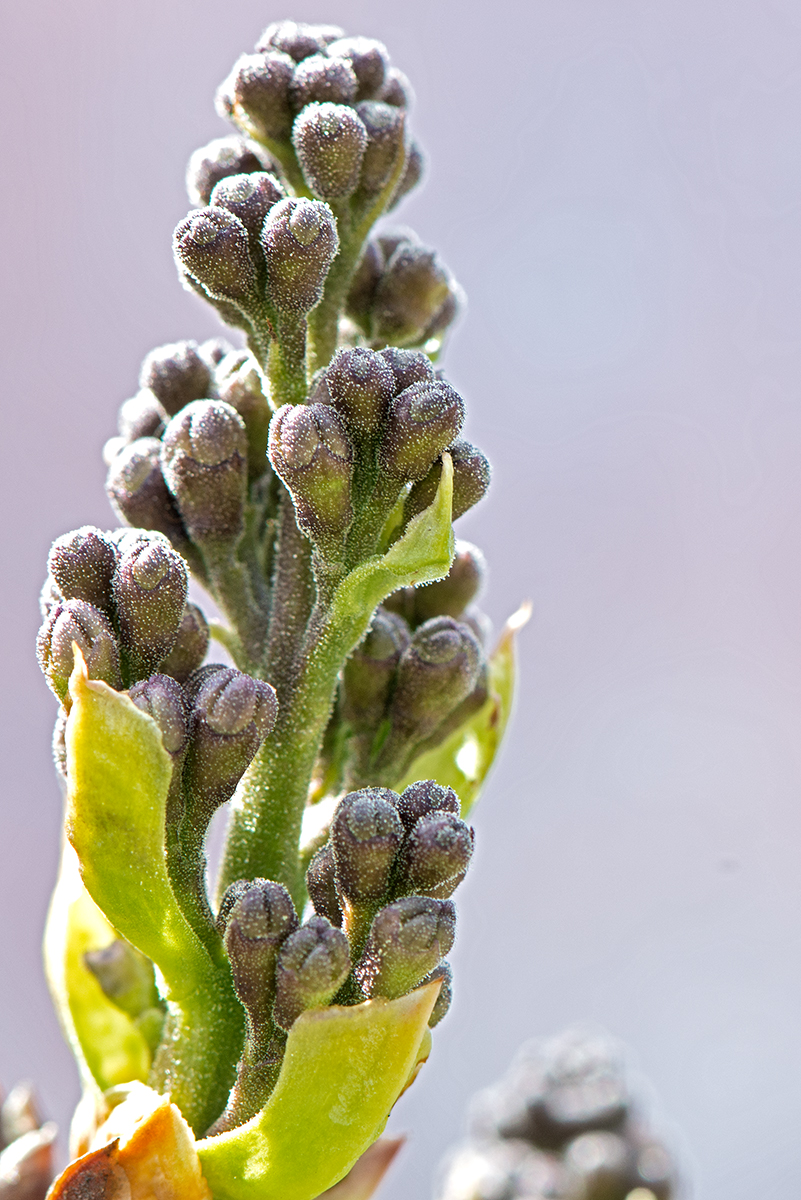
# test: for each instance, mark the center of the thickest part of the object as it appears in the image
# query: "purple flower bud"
(242, 389)
(297, 39)
(397, 90)
(211, 246)
(423, 798)
(410, 295)
(313, 963)
(138, 494)
(321, 885)
(150, 594)
(412, 174)
(176, 374)
(141, 416)
(361, 385)
(408, 367)
(369, 60)
(250, 198)
(82, 565)
(322, 79)
(260, 918)
(163, 699)
(423, 420)
(407, 940)
(443, 1001)
(471, 480)
(330, 140)
(310, 452)
(385, 142)
(191, 645)
(369, 673)
(299, 241)
(363, 285)
(256, 95)
(75, 621)
(366, 833)
(224, 156)
(204, 460)
(436, 855)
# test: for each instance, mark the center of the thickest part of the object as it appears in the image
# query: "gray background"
(617, 185)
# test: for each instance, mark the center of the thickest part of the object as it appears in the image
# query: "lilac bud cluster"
(562, 1125)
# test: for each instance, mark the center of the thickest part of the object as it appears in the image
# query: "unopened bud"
(443, 1001)
(312, 455)
(257, 923)
(436, 855)
(299, 241)
(407, 940)
(141, 416)
(599, 1166)
(150, 594)
(410, 294)
(471, 480)
(242, 389)
(211, 245)
(369, 60)
(297, 39)
(447, 597)
(26, 1165)
(397, 90)
(321, 885)
(250, 198)
(412, 174)
(423, 420)
(368, 674)
(224, 156)
(424, 797)
(359, 302)
(163, 699)
(19, 1114)
(214, 350)
(256, 95)
(125, 975)
(190, 646)
(138, 494)
(204, 460)
(408, 367)
(89, 628)
(366, 833)
(321, 78)
(82, 565)
(330, 140)
(176, 374)
(385, 136)
(313, 963)
(361, 385)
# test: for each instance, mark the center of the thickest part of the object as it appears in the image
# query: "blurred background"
(617, 185)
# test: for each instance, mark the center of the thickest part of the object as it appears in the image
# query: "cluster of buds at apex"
(310, 451)
(204, 459)
(257, 917)
(402, 293)
(313, 963)
(448, 597)
(222, 157)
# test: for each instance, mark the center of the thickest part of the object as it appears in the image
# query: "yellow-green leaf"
(464, 759)
(106, 1042)
(343, 1070)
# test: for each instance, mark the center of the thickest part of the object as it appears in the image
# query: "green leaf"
(343, 1070)
(106, 1042)
(464, 759)
(118, 779)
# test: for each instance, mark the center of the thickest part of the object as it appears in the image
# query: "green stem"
(286, 364)
(230, 584)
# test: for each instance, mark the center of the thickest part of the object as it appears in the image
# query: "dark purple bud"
(408, 366)
(313, 963)
(299, 241)
(260, 919)
(242, 389)
(214, 350)
(163, 699)
(385, 143)
(366, 833)
(361, 385)
(412, 174)
(125, 976)
(423, 420)
(250, 198)
(150, 594)
(409, 296)
(397, 90)
(138, 494)
(211, 246)
(471, 480)
(447, 597)
(369, 60)
(176, 374)
(321, 885)
(363, 285)
(297, 39)
(310, 452)
(224, 156)
(423, 798)
(190, 645)
(407, 940)
(369, 673)
(330, 140)
(436, 855)
(322, 79)
(443, 1001)
(256, 95)
(82, 565)
(75, 621)
(141, 416)
(204, 460)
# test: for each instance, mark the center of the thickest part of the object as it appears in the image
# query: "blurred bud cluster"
(26, 1147)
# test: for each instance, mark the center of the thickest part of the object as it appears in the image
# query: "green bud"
(224, 156)
(412, 174)
(321, 78)
(330, 140)
(297, 39)
(163, 699)
(361, 385)
(313, 963)
(150, 594)
(176, 374)
(190, 646)
(89, 628)
(125, 975)
(407, 940)
(256, 95)
(423, 798)
(204, 460)
(211, 246)
(141, 416)
(443, 1001)
(369, 60)
(82, 565)
(312, 455)
(436, 855)
(423, 420)
(447, 597)
(471, 480)
(299, 241)
(366, 833)
(410, 295)
(257, 923)
(369, 673)
(242, 389)
(321, 885)
(397, 90)
(138, 494)
(385, 142)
